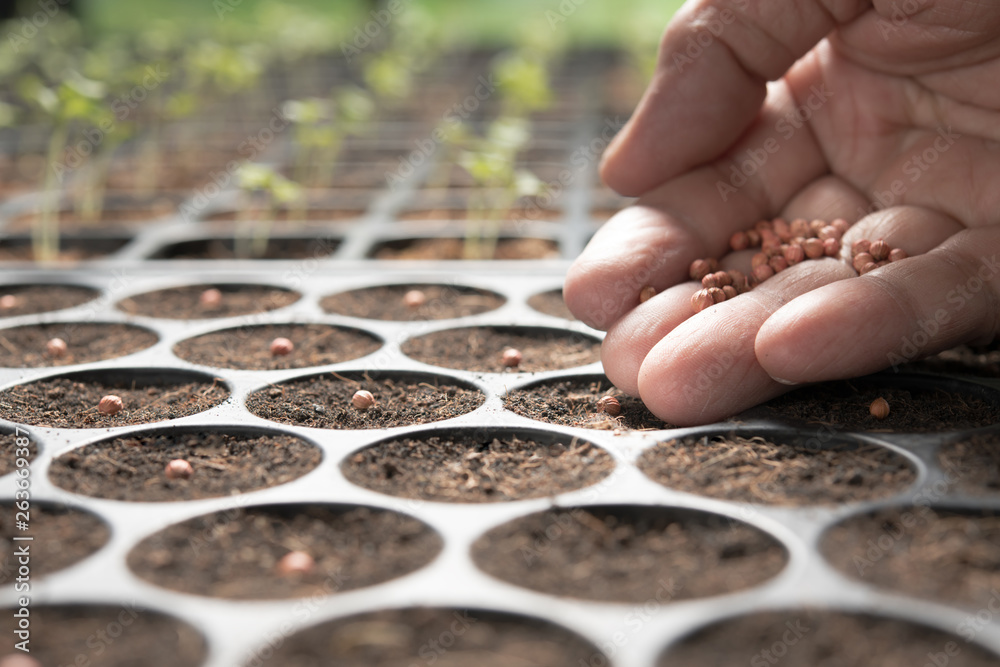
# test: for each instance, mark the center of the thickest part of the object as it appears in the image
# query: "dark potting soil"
(132, 467)
(921, 551)
(225, 248)
(69, 403)
(551, 303)
(62, 537)
(385, 302)
(399, 638)
(481, 348)
(30, 299)
(324, 401)
(25, 347)
(249, 348)
(71, 220)
(974, 464)
(71, 249)
(183, 303)
(810, 638)
(846, 405)
(112, 636)
(456, 249)
(8, 451)
(777, 471)
(475, 467)
(573, 402)
(629, 553)
(234, 554)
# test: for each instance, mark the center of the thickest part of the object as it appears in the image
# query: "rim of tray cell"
(421, 310)
(205, 312)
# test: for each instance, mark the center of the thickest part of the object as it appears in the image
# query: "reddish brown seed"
(610, 405)
(295, 562)
(831, 247)
(782, 229)
(793, 254)
(414, 299)
(813, 248)
(760, 259)
(763, 225)
(56, 348)
(722, 279)
(860, 260)
(815, 226)
(701, 300)
(511, 358)
(646, 293)
(718, 296)
(729, 291)
(739, 241)
(737, 279)
(860, 246)
(281, 347)
(753, 236)
(8, 301)
(710, 281)
(210, 298)
(841, 225)
(800, 227)
(110, 405)
(778, 263)
(762, 272)
(879, 250)
(882, 263)
(178, 469)
(829, 232)
(879, 408)
(362, 399)
(897, 254)
(701, 268)
(868, 268)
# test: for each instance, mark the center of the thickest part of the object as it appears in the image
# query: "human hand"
(887, 115)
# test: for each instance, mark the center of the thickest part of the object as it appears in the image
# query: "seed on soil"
(414, 298)
(56, 348)
(511, 358)
(8, 302)
(281, 347)
(647, 293)
(363, 399)
(110, 405)
(210, 298)
(296, 562)
(879, 408)
(610, 405)
(178, 469)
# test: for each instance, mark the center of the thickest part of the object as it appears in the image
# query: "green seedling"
(523, 83)
(269, 190)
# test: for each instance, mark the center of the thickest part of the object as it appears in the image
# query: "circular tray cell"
(401, 399)
(391, 302)
(108, 636)
(457, 249)
(778, 469)
(401, 638)
(148, 395)
(551, 303)
(13, 443)
(808, 637)
(30, 299)
(947, 555)
(226, 462)
(973, 463)
(621, 553)
(478, 465)
(28, 346)
(916, 405)
(186, 303)
(574, 402)
(62, 537)
(482, 348)
(249, 347)
(236, 554)
(225, 248)
(72, 249)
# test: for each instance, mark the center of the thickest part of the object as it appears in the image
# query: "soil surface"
(249, 348)
(25, 347)
(812, 638)
(286, 215)
(71, 250)
(470, 466)
(132, 467)
(324, 401)
(921, 551)
(974, 464)
(130, 636)
(481, 348)
(234, 554)
(629, 554)
(32, 299)
(385, 302)
(455, 249)
(225, 248)
(982, 361)
(8, 451)
(71, 402)
(400, 638)
(63, 537)
(551, 303)
(183, 303)
(573, 402)
(777, 471)
(845, 405)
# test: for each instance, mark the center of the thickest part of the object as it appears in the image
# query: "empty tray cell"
(147, 395)
(257, 347)
(628, 553)
(412, 302)
(478, 465)
(62, 536)
(401, 399)
(947, 555)
(778, 468)
(72, 248)
(482, 349)
(226, 248)
(811, 637)
(435, 636)
(917, 404)
(551, 303)
(30, 299)
(973, 463)
(576, 402)
(32, 346)
(453, 248)
(191, 302)
(107, 636)
(15, 444)
(224, 461)
(242, 553)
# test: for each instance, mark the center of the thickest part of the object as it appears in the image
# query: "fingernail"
(785, 382)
